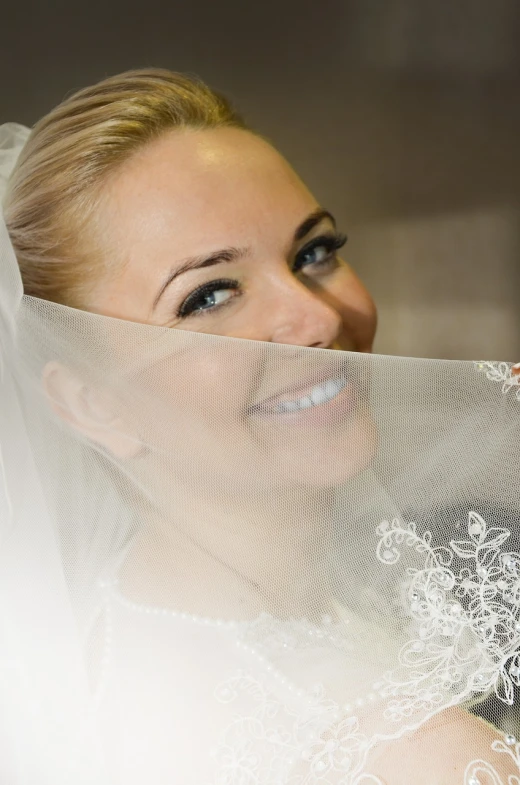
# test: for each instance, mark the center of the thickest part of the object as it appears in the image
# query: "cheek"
(191, 405)
(356, 307)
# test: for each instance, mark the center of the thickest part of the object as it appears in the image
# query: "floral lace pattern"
(466, 622)
(283, 745)
(478, 768)
(464, 608)
(505, 373)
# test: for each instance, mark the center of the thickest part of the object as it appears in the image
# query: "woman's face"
(213, 232)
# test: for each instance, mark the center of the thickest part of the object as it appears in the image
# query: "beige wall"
(446, 286)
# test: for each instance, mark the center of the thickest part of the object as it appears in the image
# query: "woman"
(229, 454)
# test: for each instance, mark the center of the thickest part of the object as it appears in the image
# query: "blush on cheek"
(362, 319)
(357, 309)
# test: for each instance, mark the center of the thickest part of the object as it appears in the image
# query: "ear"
(90, 411)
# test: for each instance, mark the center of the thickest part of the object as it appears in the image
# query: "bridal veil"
(227, 562)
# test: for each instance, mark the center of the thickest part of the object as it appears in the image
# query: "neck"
(240, 554)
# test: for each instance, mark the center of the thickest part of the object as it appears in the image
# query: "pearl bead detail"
(316, 634)
(151, 610)
(313, 693)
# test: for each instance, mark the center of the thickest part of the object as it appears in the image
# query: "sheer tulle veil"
(263, 564)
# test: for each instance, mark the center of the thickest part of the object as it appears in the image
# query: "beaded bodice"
(285, 703)
(261, 724)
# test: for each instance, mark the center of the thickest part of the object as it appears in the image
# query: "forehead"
(212, 181)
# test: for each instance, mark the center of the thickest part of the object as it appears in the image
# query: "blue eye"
(319, 251)
(210, 296)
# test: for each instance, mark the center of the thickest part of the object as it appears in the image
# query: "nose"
(297, 315)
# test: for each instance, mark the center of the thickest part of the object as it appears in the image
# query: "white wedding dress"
(266, 686)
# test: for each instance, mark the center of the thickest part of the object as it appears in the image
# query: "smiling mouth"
(312, 398)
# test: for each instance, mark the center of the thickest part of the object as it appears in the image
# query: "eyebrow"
(232, 254)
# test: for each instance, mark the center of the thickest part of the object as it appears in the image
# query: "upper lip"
(296, 390)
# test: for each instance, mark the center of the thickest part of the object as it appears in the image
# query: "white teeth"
(333, 386)
(321, 393)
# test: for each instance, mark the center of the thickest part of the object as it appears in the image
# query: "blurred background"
(403, 116)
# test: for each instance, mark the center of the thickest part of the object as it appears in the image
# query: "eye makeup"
(205, 298)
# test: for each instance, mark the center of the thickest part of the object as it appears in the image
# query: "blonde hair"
(50, 205)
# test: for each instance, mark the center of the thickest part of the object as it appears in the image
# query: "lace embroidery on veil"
(467, 622)
(466, 641)
(506, 373)
(509, 746)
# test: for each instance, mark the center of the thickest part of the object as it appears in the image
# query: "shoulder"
(453, 748)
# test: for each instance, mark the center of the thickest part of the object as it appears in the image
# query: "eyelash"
(331, 242)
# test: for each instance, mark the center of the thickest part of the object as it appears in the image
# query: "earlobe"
(90, 411)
